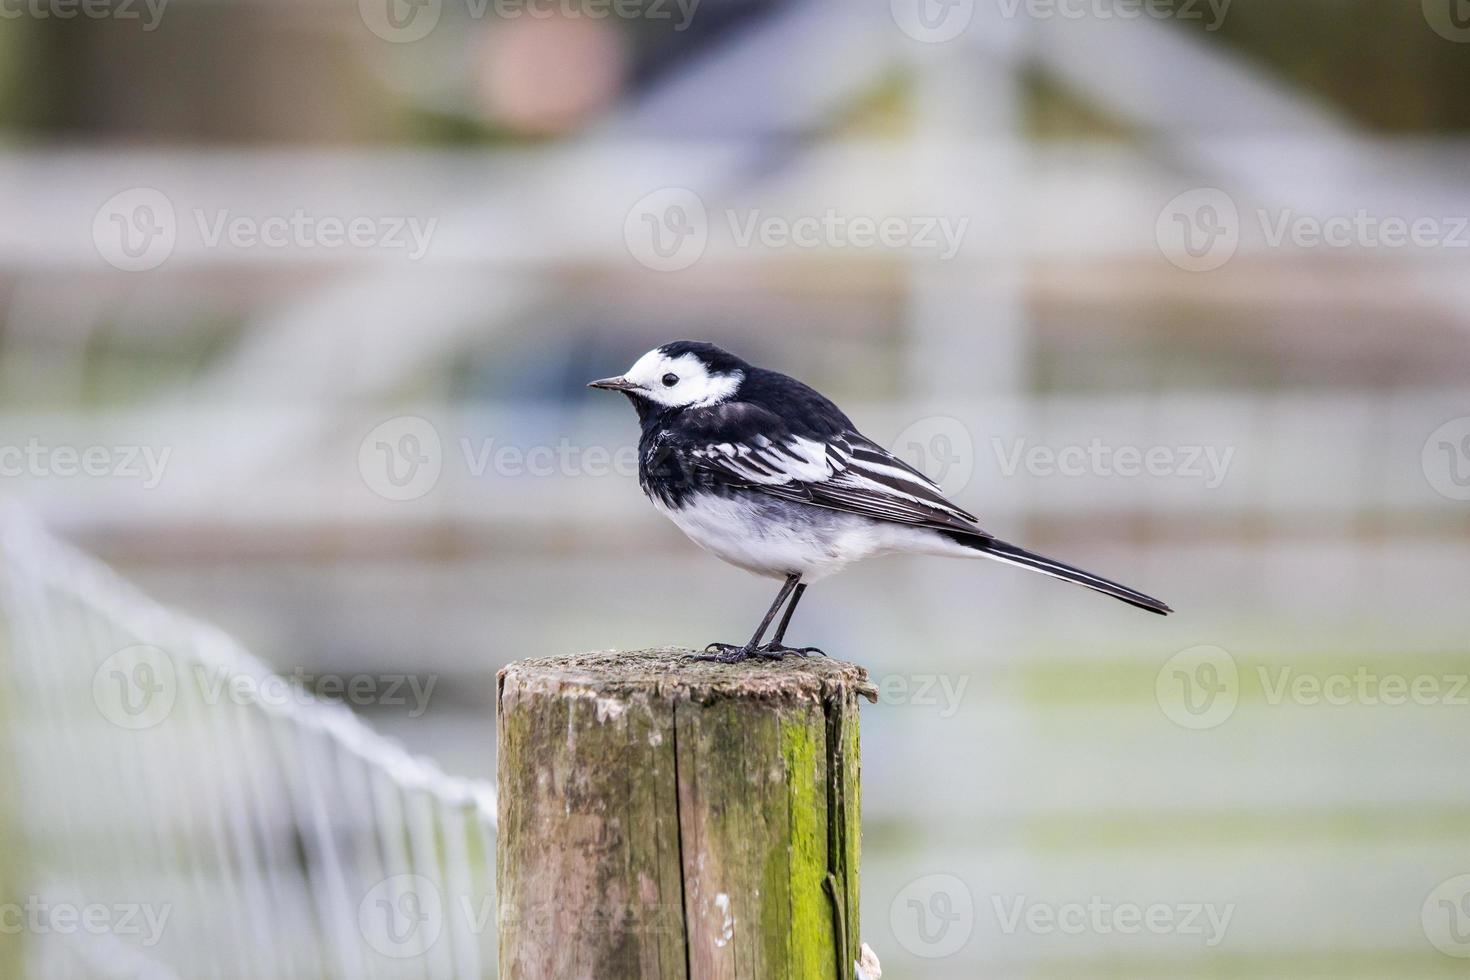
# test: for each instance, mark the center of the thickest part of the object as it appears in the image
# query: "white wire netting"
(160, 819)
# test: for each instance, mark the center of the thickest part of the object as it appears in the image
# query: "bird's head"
(684, 374)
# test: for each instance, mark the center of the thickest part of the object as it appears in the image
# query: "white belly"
(775, 538)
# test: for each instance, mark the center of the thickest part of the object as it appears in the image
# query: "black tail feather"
(1003, 551)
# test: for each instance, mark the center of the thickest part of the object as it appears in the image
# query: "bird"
(770, 476)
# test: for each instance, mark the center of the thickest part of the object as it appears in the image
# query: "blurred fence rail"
(520, 210)
(182, 812)
(1272, 457)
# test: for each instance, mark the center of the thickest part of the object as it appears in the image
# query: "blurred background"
(297, 303)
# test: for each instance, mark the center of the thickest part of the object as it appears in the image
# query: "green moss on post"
(662, 818)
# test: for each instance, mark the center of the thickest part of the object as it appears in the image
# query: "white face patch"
(693, 385)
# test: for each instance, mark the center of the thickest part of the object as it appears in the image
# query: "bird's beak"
(615, 384)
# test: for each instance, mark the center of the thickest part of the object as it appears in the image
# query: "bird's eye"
(670, 380)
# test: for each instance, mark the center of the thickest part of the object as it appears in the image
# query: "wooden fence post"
(662, 818)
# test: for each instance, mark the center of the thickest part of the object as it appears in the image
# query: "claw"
(728, 653)
(776, 651)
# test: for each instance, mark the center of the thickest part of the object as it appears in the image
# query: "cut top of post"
(671, 672)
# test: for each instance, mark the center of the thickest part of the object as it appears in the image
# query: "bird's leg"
(776, 649)
(729, 653)
(786, 616)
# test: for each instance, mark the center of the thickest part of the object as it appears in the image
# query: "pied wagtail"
(770, 476)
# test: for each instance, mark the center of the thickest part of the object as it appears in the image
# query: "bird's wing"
(843, 471)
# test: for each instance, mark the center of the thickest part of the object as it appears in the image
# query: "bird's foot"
(779, 651)
(726, 653)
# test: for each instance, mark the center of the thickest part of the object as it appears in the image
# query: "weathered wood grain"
(663, 818)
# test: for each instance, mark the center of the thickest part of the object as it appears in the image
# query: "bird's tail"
(1010, 554)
